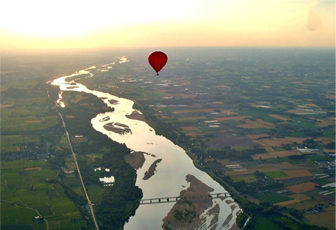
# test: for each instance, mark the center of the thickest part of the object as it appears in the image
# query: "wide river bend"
(170, 176)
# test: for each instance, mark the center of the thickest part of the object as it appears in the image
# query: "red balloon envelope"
(157, 60)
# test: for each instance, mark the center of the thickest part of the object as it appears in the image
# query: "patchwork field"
(273, 198)
(258, 136)
(326, 122)
(279, 117)
(25, 194)
(263, 223)
(234, 106)
(304, 187)
(276, 174)
(3, 106)
(325, 218)
(304, 204)
(325, 140)
(12, 124)
(281, 141)
(247, 178)
(223, 139)
(266, 168)
(276, 154)
(249, 124)
(298, 173)
(190, 128)
(300, 197)
(11, 143)
(289, 202)
(233, 118)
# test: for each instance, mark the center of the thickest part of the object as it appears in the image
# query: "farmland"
(276, 174)
(40, 184)
(37, 173)
(271, 114)
(25, 194)
(257, 117)
(300, 188)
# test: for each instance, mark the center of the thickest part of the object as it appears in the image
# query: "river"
(170, 176)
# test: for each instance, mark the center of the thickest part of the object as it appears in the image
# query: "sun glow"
(66, 24)
(65, 17)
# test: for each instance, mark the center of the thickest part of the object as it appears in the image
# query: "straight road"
(79, 173)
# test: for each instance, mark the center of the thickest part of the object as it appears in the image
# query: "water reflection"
(166, 177)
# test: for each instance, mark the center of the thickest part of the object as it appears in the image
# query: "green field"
(329, 133)
(241, 148)
(302, 122)
(12, 124)
(238, 82)
(10, 143)
(30, 108)
(271, 197)
(25, 194)
(304, 160)
(256, 131)
(264, 223)
(95, 192)
(247, 178)
(276, 174)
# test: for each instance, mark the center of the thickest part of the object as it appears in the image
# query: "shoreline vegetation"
(196, 186)
(186, 212)
(114, 205)
(136, 116)
(152, 169)
(117, 128)
(248, 207)
(196, 199)
(252, 211)
(242, 97)
(135, 159)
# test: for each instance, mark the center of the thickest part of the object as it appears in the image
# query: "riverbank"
(135, 159)
(136, 116)
(117, 128)
(194, 201)
(170, 172)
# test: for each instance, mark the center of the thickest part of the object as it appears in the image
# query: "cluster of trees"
(330, 145)
(121, 201)
(241, 219)
(89, 103)
(88, 174)
(57, 161)
(185, 215)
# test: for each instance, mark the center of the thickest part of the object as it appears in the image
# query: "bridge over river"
(177, 198)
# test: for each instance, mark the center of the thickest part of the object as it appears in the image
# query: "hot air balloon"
(157, 60)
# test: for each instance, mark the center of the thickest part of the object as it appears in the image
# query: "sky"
(73, 24)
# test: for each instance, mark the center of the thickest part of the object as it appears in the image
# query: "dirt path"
(27, 207)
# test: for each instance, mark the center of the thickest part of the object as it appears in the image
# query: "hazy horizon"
(151, 48)
(212, 23)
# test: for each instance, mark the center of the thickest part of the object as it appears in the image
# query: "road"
(79, 173)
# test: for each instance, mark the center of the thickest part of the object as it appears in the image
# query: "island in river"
(254, 108)
(166, 167)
